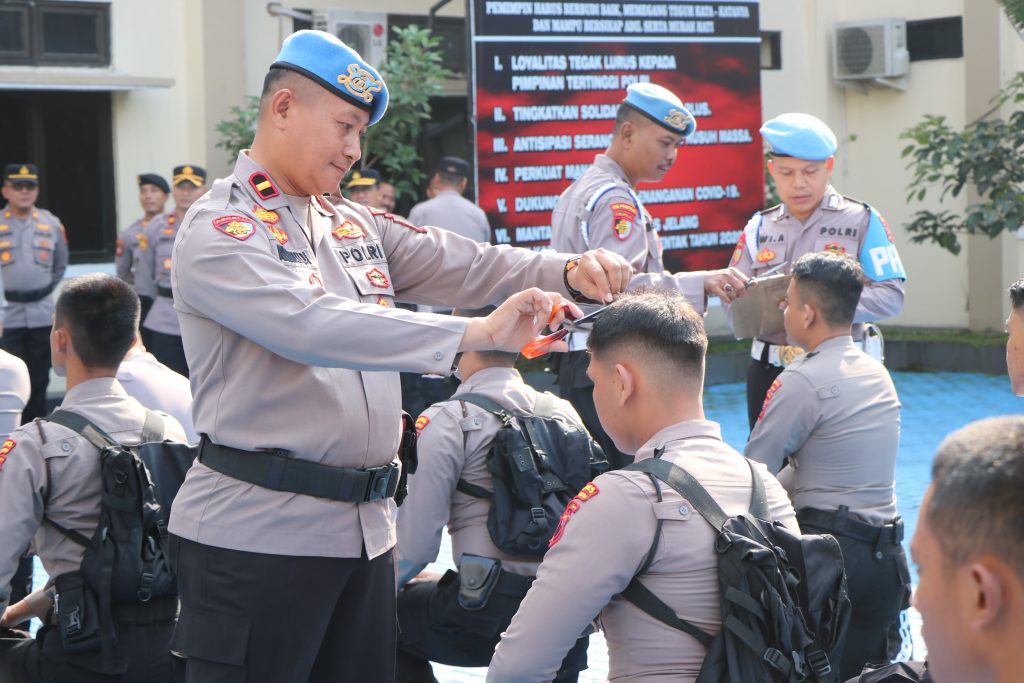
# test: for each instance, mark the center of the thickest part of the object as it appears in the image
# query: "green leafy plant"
(987, 155)
(236, 133)
(1015, 11)
(414, 74)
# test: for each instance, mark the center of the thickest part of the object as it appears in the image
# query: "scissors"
(539, 346)
(765, 274)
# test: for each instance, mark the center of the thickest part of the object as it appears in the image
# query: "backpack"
(126, 560)
(537, 462)
(784, 603)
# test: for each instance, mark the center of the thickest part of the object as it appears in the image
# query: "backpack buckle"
(146, 587)
(776, 660)
(818, 661)
(539, 518)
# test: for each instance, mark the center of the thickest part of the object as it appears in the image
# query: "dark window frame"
(25, 56)
(774, 39)
(926, 38)
(32, 34)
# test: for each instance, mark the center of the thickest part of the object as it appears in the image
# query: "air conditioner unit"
(364, 32)
(870, 51)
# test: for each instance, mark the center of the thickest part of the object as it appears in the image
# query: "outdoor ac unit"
(870, 50)
(364, 32)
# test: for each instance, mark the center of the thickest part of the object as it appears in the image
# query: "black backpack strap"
(75, 422)
(686, 486)
(642, 597)
(481, 401)
(152, 428)
(758, 496)
(473, 490)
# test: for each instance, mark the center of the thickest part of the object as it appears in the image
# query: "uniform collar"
(252, 178)
(677, 432)
(489, 376)
(832, 201)
(840, 342)
(91, 388)
(606, 163)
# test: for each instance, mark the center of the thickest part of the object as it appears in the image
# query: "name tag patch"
(361, 254)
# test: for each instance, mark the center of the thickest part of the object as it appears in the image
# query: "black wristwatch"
(570, 265)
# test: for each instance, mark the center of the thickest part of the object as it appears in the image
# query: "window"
(451, 31)
(935, 38)
(771, 50)
(54, 33)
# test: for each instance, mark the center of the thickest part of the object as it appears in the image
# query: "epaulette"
(855, 201)
(765, 212)
(395, 219)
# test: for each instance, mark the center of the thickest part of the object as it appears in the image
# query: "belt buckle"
(382, 483)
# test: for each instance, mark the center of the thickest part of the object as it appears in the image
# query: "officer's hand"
(727, 284)
(15, 614)
(517, 321)
(600, 275)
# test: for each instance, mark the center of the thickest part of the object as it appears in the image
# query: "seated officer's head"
(647, 364)
(318, 100)
(94, 325)
(650, 126)
(969, 546)
(472, 362)
(801, 152)
(822, 298)
(1015, 338)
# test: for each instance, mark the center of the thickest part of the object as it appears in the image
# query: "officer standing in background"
(387, 196)
(132, 242)
(162, 322)
(811, 217)
(448, 207)
(364, 187)
(15, 388)
(156, 386)
(1015, 338)
(454, 446)
(33, 255)
(602, 209)
(834, 415)
(647, 364)
(286, 307)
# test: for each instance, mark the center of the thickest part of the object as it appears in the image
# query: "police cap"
(453, 166)
(799, 135)
(155, 180)
(323, 58)
(661, 106)
(189, 174)
(21, 173)
(366, 177)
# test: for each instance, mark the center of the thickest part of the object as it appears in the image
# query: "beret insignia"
(360, 82)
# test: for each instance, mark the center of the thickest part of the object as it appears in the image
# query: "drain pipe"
(276, 9)
(433, 11)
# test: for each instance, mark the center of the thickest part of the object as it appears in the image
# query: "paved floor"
(934, 404)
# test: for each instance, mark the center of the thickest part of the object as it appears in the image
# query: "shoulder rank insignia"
(360, 83)
(348, 230)
(266, 215)
(377, 278)
(585, 494)
(263, 186)
(737, 253)
(421, 422)
(239, 227)
(8, 446)
(623, 216)
(765, 255)
(280, 235)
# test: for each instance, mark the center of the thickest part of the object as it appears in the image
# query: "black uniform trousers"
(32, 345)
(576, 388)
(878, 581)
(760, 375)
(434, 627)
(145, 303)
(255, 617)
(144, 642)
(168, 349)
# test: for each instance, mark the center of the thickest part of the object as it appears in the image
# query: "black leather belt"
(30, 295)
(840, 523)
(276, 470)
(165, 291)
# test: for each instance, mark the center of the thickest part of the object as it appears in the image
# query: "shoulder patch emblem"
(737, 253)
(835, 248)
(239, 227)
(765, 255)
(377, 278)
(585, 494)
(280, 235)
(118, 248)
(266, 215)
(623, 219)
(776, 385)
(421, 422)
(7, 447)
(885, 224)
(348, 230)
(263, 186)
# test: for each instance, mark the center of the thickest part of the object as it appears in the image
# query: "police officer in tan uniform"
(647, 363)
(287, 316)
(189, 183)
(448, 207)
(602, 209)
(364, 187)
(812, 217)
(33, 255)
(48, 471)
(455, 439)
(834, 415)
(133, 242)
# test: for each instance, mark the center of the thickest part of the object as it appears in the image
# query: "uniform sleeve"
(123, 256)
(879, 300)
(690, 285)
(60, 254)
(615, 225)
(602, 547)
(242, 286)
(440, 268)
(485, 227)
(145, 269)
(22, 482)
(790, 413)
(741, 260)
(441, 449)
(414, 214)
(779, 505)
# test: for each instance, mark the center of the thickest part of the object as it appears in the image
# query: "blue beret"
(334, 65)
(799, 135)
(661, 106)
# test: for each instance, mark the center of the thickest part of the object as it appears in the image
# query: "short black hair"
(653, 322)
(833, 281)
(627, 113)
(101, 313)
(976, 504)
(1017, 295)
(270, 81)
(450, 178)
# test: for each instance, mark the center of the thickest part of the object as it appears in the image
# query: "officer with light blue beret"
(602, 209)
(813, 216)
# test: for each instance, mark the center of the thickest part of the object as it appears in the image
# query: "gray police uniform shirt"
(452, 211)
(15, 388)
(293, 341)
(45, 467)
(129, 249)
(454, 440)
(33, 255)
(157, 259)
(840, 225)
(157, 387)
(604, 540)
(600, 209)
(835, 414)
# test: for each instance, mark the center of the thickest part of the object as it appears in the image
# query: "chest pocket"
(837, 245)
(42, 249)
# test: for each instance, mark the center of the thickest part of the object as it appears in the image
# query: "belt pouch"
(477, 578)
(77, 613)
